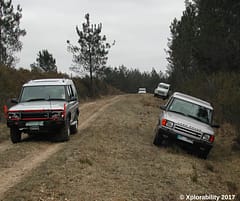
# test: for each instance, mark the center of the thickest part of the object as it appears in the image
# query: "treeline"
(110, 81)
(11, 81)
(129, 80)
(204, 55)
(205, 39)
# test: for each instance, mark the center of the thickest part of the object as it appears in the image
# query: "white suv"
(162, 90)
(142, 91)
(44, 105)
(187, 119)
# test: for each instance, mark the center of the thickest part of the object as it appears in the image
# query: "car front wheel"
(158, 139)
(64, 134)
(15, 135)
(204, 153)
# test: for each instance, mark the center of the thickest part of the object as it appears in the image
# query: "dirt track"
(10, 176)
(112, 158)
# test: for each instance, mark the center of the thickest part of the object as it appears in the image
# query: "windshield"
(163, 86)
(35, 93)
(192, 110)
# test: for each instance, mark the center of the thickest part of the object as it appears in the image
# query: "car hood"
(188, 122)
(38, 105)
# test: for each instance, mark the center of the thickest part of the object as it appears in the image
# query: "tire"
(204, 153)
(158, 139)
(64, 132)
(15, 135)
(74, 128)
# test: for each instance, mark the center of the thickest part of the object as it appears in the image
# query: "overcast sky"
(139, 27)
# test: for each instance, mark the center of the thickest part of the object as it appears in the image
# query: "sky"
(139, 27)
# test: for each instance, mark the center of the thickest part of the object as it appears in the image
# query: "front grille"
(188, 131)
(34, 115)
(160, 93)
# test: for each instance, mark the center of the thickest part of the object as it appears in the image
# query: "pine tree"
(10, 32)
(182, 43)
(92, 50)
(219, 23)
(44, 62)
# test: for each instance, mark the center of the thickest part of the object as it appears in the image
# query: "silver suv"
(187, 119)
(45, 105)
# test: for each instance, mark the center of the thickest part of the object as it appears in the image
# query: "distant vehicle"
(44, 105)
(189, 120)
(162, 90)
(142, 90)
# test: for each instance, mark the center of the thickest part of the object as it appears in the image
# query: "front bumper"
(171, 135)
(160, 94)
(36, 126)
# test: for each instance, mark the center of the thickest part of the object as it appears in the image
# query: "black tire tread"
(15, 135)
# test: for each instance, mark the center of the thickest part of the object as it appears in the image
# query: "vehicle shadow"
(178, 147)
(43, 137)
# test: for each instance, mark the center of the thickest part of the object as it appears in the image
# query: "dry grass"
(4, 132)
(114, 160)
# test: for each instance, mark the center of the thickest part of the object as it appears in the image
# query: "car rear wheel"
(74, 128)
(15, 135)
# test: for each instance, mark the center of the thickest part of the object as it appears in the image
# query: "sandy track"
(11, 176)
(5, 145)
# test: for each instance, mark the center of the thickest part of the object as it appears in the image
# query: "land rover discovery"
(44, 106)
(187, 119)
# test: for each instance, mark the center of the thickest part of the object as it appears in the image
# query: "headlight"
(167, 123)
(55, 115)
(207, 137)
(14, 115)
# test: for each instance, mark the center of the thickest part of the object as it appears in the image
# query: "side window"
(74, 91)
(169, 102)
(69, 91)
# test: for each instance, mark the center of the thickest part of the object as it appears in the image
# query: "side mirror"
(14, 100)
(73, 99)
(163, 107)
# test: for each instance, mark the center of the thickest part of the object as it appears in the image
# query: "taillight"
(211, 138)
